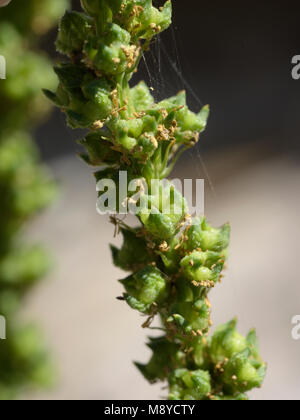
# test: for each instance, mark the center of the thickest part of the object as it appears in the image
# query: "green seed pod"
(200, 355)
(99, 93)
(53, 97)
(134, 253)
(73, 31)
(203, 267)
(166, 357)
(190, 317)
(161, 226)
(189, 385)
(188, 121)
(241, 374)
(163, 211)
(226, 341)
(169, 255)
(203, 236)
(252, 342)
(187, 291)
(145, 147)
(174, 103)
(121, 202)
(99, 151)
(85, 100)
(79, 120)
(70, 75)
(113, 55)
(150, 125)
(122, 128)
(146, 288)
(141, 97)
(150, 21)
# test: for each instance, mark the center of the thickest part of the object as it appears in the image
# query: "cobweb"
(162, 69)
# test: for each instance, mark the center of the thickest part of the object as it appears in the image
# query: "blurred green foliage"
(25, 185)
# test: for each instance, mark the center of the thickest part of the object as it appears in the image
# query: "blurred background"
(236, 56)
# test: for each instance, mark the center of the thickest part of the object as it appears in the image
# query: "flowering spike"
(175, 261)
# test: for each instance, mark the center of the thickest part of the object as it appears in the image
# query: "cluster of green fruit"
(175, 261)
(25, 186)
(221, 367)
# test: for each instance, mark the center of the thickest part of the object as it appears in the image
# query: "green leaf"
(134, 253)
(73, 31)
(148, 286)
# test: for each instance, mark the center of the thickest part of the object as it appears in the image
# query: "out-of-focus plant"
(175, 261)
(25, 185)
